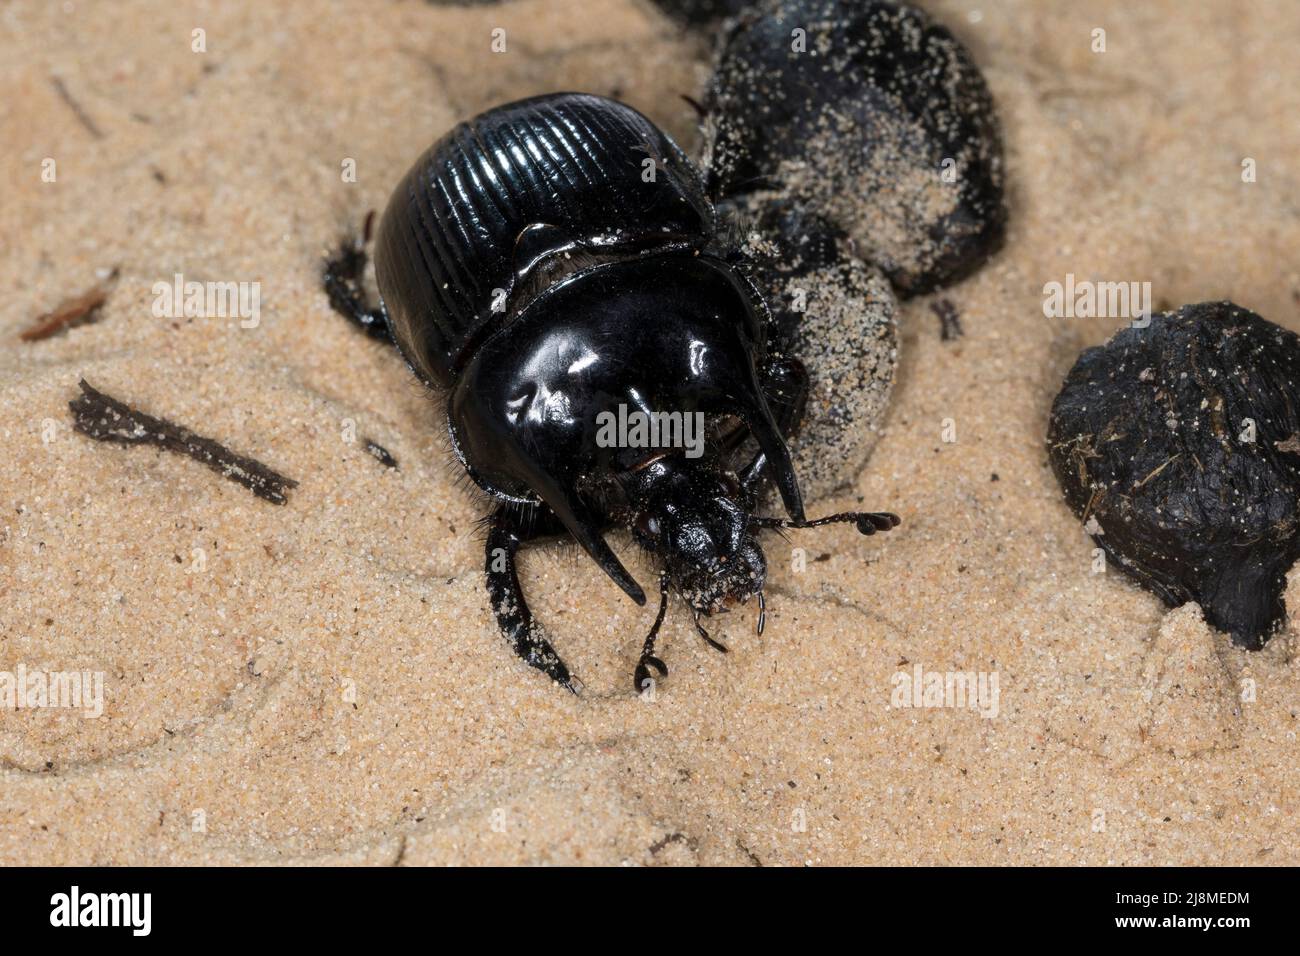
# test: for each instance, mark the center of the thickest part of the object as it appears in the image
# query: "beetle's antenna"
(705, 634)
(641, 676)
(868, 522)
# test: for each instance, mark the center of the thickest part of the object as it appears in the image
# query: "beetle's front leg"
(508, 605)
(834, 314)
(785, 386)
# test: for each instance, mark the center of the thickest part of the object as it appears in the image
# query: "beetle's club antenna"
(868, 522)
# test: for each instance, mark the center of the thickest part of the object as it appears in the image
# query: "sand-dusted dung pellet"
(874, 115)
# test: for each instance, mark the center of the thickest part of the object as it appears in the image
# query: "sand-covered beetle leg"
(342, 278)
(505, 535)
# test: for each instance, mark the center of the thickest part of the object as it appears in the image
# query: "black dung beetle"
(552, 260)
(558, 263)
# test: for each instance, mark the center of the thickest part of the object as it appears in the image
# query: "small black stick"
(381, 453)
(82, 116)
(106, 419)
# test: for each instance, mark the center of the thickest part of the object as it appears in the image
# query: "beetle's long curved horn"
(768, 435)
(580, 523)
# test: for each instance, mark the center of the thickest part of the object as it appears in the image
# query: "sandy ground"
(321, 681)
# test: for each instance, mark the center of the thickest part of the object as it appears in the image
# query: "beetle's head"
(697, 521)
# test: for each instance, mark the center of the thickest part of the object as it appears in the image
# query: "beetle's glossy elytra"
(455, 237)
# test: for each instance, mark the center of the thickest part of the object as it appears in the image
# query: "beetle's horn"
(579, 522)
(764, 429)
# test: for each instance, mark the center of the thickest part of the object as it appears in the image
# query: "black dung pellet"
(1181, 441)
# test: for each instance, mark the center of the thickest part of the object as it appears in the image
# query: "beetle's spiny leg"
(343, 283)
(513, 617)
(641, 676)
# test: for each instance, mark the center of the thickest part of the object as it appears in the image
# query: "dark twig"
(106, 419)
(381, 453)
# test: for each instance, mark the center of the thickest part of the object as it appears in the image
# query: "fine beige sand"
(321, 681)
